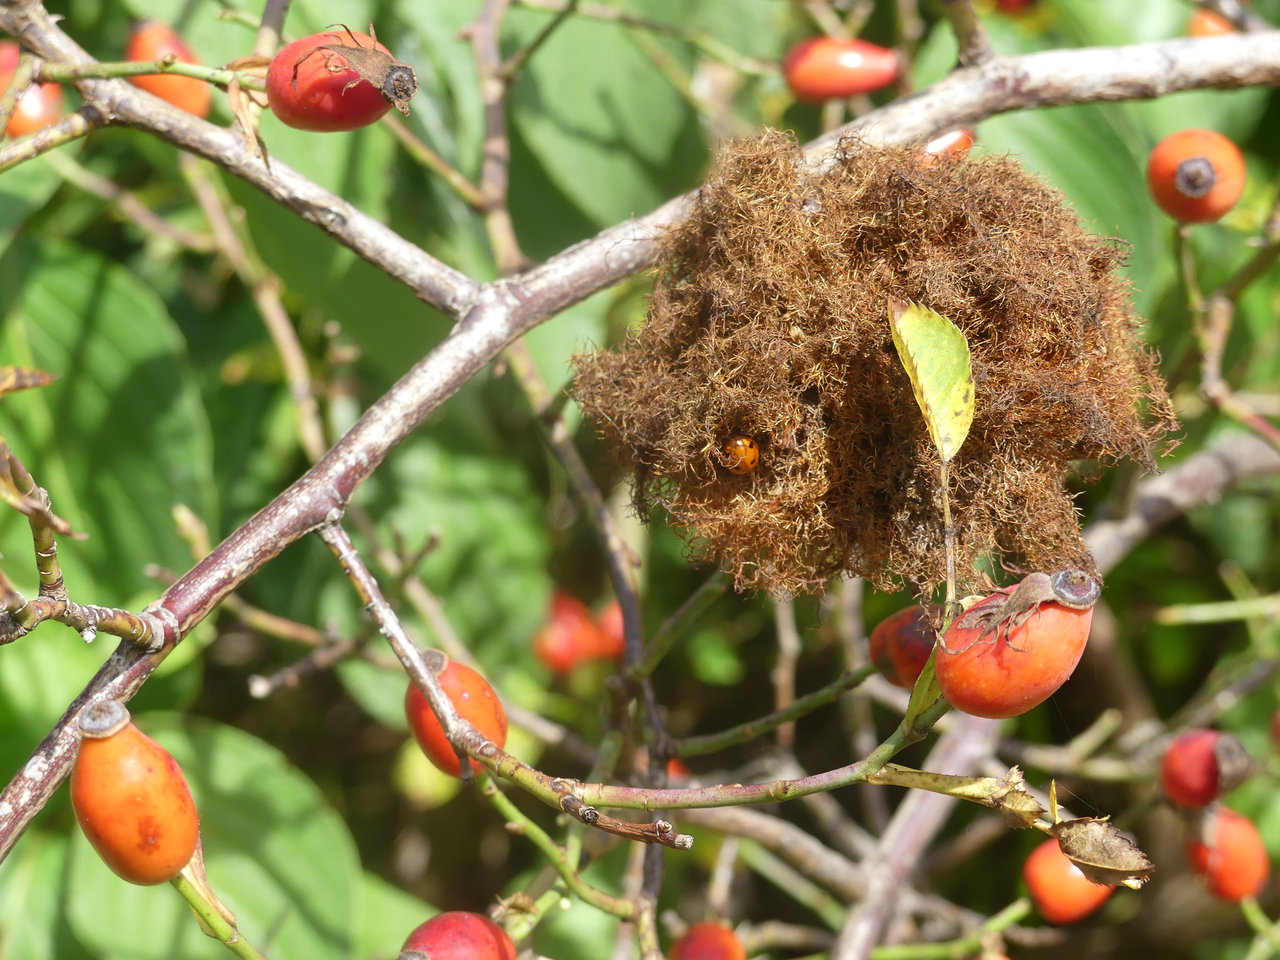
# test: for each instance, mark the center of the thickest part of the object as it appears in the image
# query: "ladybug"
(741, 455)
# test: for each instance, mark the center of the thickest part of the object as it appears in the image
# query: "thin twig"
(975, 49)
(783, 675)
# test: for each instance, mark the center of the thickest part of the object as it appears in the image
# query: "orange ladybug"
(741, 455)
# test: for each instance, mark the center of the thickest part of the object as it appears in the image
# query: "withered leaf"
(14, 378)
(1103, 853)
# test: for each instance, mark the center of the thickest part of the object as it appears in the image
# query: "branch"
(492, 315)
(1200, 479)
(915, 823)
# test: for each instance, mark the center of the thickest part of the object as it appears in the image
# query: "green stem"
(69, 73)
(617, 906)
(711, 742)
(794, 884)
(607, 795)
(1220, 612)
(676, 625)
(963, 947)
(213, 922)
(949, 537)
(1266, 941)
(525, 921)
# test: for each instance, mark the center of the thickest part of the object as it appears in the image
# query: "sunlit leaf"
(935, 355)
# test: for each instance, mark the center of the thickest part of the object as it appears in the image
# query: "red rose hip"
(828, 68)
(569, 637)
(1196, 176)
(459, 935)
(40, 104)
(613, 640)
(151, 40)
(1013, 650)
(1201, 765)
(337, 80)
(131, 799)
(1226, 849)
(900, 644)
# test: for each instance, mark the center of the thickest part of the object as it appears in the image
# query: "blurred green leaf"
(388, 917)
(32, 895)
(599, 114)
(24, 190)
(34, 692)
(119, 437)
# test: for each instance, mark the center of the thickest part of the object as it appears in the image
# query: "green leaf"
(118, 438)
(388, 917)
(600, 116)
(277, 855)
(33, 696)
(32, 922)
(935, 355)
(24, 190)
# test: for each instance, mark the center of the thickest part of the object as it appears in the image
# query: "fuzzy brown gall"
(767, 320)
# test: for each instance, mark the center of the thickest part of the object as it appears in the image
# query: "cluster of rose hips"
(134, 806)
(43, 103)
(997, 667)
(572, 635)
(1223, 846)
(1004, 654)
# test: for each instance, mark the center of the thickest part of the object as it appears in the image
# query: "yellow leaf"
(935, 355)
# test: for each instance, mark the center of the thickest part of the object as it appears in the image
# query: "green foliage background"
(317, 821)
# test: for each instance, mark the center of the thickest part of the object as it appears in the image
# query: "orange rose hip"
(475, 702)
(131, 798)
(152, 40)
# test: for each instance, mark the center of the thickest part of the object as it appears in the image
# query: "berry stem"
(1014, 913)
(69, 73)
(1266, 942)
(212, 920)
(711, 742)
(518, 823)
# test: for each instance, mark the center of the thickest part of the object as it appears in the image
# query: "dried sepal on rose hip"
(131, 799)
(1014, 649)
(337, 81)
